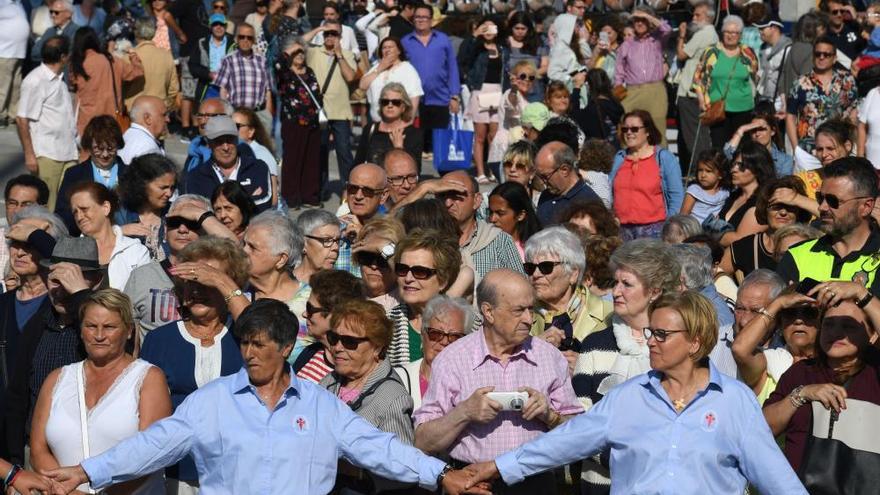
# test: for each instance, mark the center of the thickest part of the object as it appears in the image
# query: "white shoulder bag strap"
(83, 413)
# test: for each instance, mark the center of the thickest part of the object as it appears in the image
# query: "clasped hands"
(472, 479)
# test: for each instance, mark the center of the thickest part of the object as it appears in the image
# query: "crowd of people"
(583, 247)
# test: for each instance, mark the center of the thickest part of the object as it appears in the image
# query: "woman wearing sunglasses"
(393, 67)
(566, 311)
(233, 207)
(644, 270)
(321, 237)
(394, 130)
(364, 379)
(518, 165)
(513, 102)
(750, 170)
(426, 263)
(524, 43)
(372, 252)
(763, 130)
(199, 347)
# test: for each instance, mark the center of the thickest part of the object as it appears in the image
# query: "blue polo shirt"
(551, 205)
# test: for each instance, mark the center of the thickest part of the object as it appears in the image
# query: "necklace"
(682, 401)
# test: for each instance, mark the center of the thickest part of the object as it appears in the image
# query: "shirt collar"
(241, 383)
(51, 73)
(481, 352)
(652, 378)
(872, 245)
(575, 189)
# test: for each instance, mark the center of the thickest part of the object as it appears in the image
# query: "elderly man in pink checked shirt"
(640, 68)
(457, 416)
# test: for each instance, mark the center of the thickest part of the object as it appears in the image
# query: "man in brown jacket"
(160, 74)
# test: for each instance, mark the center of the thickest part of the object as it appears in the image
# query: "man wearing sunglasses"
(843, 28)
(242, 76)
(556, 167)
(61, 13)
(331, 14)
(849, 249)
(365, 192)
(458, 418)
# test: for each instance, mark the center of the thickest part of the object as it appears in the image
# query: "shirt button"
(670, 473)
(674, 446)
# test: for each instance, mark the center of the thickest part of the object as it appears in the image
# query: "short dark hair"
(824, 40)
(332, 5)
(597, 155)
(603, 218)
(762, 204)
(429, 213)
(270, 316)
(54, 49)
(654, 137)
(142, 170)
(417, 6)
(757, 160)
(396, 41)
(28, 180)
(518, 200)
(333, 287)
(562, 130)
(235, 194)
(858, 170)
(102, 129)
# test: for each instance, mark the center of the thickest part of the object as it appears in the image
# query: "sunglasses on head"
(418, 272)
(525, 77)
(819, 54)
(368, 258)
(436, 335)
(384, 102)
(545, 267)
(315, 310)
(174, 223)
(368, 192)
(833, 201)
(349, 342)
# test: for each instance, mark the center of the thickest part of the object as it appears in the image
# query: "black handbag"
(833, 463)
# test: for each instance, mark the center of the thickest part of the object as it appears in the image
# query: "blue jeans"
(341, 130)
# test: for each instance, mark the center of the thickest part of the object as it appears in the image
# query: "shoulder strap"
(113, 83)
(757, 240)
(329, 76)
(80, 371)
(779, 70)
(320, 107)
(371, 390)
(730, 76)
(406, 380)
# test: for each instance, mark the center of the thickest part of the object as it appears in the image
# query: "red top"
(638, 192)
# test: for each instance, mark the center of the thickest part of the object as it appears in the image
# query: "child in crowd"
(705, 196)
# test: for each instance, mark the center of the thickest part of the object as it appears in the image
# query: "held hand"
(579, 79)
(553, 336)
(537, 407)
(745, 128)
(352, 227)
(136, 230)
(571, 357)
(30, 161)
(189, 210)
(682, 29)
(454, 106)
(791, 300)
(385, 64)
(482, 472)
(479, 408)
(26, 481)
(785, 196)
(455, 483)
(69, 275)
(66, 479)
(830, 293)
(830, 395)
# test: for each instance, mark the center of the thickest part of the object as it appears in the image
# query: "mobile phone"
(603, 37)
(806, 285)
(492, 29)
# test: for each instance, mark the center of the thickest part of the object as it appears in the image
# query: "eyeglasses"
(775, 207)
(368, 192)
(239, 125)
(437, 335)
(823, 54)
(833, 201)
(330, 33)
(174, 223)
(398, 180)
(422, 17)
(244, 37)
(545, 267)
(418, 272)
(516, 166)
(219, 7)
(367, 258)
(742, 309)
(384, 102)
(633, 129)
(104, 150)
(325, 241)
(350, 342)
(315, 310)
(525, 77)
(659, 334)
(209, 115)
(546, 178)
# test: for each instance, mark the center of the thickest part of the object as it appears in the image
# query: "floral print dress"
(296, 102)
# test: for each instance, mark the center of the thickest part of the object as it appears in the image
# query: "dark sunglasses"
(659, 334)
(56, 12)
(384, 102)
(824, 54)
(367, 258)
(545, 267)
(315, 310)
(525, 77)
(174, 223)
(219, 7)
(516, 165)
(331, 33)
(208, 115)
(833, 201)
(436, 335)
(633, 129)
(368, 192)
(349, 342)
(807, 314)
(418, 272)
(245, 37)
(325, 241)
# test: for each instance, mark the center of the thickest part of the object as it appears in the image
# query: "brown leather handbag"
(715, 113)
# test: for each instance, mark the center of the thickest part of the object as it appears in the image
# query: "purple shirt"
(466, 365)
(640, 60)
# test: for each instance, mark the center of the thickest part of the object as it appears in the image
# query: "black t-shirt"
(375, 143)
(599, 119)
(493, 71)
(848, 40)
(743, 255)
(399, 27)
(193, 20)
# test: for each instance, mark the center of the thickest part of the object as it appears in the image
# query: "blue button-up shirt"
(436, 65)
(240, 447)
(719, 441)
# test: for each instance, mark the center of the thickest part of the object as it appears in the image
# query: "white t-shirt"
(404, 73)
(869, 113)
(15, 32)
(778, 362)
(706, 204)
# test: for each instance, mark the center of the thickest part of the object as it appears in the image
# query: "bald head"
(499, 283)
(506, 300)
(556, 166)
(402, 172)
(211, 107)
(464, 178)
(149, 112)
(366, 190)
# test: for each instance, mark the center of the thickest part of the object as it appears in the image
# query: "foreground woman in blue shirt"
(682, 428)
(262, 430)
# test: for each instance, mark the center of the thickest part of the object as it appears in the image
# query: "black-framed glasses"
(398, 180)
(546, 178)
(239, 125)
(56, 12)
(418, 272)
(368, 192)
(384, 102)
(437, 335)
(525, 77)
(312, 310)
(833, 201)
(369, 258)
(818, 54)
(209, 115)
(659, 334)
(350, 342)
(174, 223)
(545, 267)
(634, 129)
(244, 37)
(325, 241)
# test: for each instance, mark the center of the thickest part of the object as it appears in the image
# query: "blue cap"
(217, 19)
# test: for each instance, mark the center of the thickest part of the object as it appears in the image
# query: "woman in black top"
(600, 117)
(394, 130)
(752, 167)
(757, 250)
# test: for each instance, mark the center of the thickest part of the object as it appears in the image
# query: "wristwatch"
(446, 469)
(387, 251)
(234, 293)
(865, 300)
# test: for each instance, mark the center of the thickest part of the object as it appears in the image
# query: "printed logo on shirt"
(301, 424)
(709, 422)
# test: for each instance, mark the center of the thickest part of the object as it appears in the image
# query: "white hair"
(284, 237)
(441, 304)
(735, 20)
(56, 229)
(763, 276)
(696, 265)
(560, 242)
(195, 198)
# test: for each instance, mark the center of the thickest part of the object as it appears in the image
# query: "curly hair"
(368, 316)
(596, 155)
(651, 261)
(220, 249)
(598, 251)
(333, 287)
(444, 249)
(603, 219)
(143, 170)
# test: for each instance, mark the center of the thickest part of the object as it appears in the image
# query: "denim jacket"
(670, 177)
(473, 60)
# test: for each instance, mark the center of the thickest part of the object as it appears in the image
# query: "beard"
(843, 225)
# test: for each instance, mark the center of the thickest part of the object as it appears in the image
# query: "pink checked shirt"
(466, 365)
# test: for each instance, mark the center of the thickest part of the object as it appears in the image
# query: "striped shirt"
(316, 368)
(244, 78)
(398, 352)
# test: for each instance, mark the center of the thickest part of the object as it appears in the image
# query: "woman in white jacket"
(570, 51)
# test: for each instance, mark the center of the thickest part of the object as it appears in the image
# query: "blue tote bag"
(453, 147)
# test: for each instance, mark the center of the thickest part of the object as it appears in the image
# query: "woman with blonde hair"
(372, 251)
(394, 130)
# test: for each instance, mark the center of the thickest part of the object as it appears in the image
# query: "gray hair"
(795, 229)
(68, 4)
(310, 220)
(763, 276)
(289, 41)
(710, 9)
(565, 156)
(735, 20)
(194, 198)
(145, 28)
(651, 261)
(560, 242)
(696, 265)
(645, 8)
(689, 226)
(441, 304)
(284, 237)
(56, 229)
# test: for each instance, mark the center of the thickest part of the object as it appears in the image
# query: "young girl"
(707, 195)
(165, 25)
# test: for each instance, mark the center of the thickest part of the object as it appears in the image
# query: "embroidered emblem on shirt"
(300, 424)
(709, 422)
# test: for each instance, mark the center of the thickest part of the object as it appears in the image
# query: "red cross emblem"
(710, 420)
(301, 423)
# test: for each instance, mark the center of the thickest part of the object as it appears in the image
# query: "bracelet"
(865, 300)
(10, 476)
(795, 397)
(235, 293)
(206, 215)
(763, 312)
